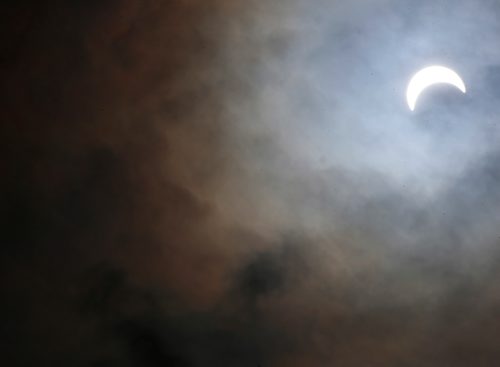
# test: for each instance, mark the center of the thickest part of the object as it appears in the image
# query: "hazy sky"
(241, 183)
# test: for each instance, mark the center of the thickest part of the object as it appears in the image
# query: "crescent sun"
(429, 76)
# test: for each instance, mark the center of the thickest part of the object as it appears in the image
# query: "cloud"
(237, 183)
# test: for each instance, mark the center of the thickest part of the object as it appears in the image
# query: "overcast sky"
(241, 183)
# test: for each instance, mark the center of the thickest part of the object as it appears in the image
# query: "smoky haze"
(241, 183)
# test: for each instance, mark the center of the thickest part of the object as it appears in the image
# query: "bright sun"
(429, 76)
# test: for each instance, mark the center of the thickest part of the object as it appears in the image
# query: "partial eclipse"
(429, 76)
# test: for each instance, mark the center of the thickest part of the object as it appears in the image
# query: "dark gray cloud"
(220, 183)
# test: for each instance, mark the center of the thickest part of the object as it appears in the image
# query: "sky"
(241, 183)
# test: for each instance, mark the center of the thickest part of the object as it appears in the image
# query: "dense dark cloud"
(239, 183)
